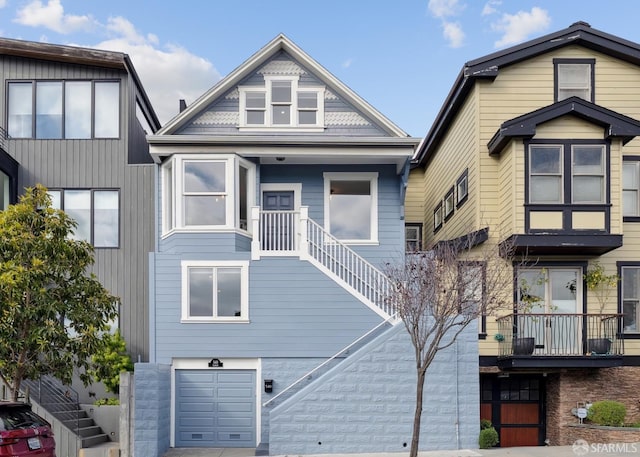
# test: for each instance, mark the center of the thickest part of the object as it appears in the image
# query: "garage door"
(215, 408)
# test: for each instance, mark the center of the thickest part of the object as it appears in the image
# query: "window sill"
(205, 230)
(282, 128)
(214, 321)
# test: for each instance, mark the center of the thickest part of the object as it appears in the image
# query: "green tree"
(54, 312)
(111, 361)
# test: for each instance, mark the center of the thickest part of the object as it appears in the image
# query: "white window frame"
(293, 120)
(560, 173)
(372, 177)
(635, 164)
(586, 87)
(416, 228)
(244, 287)
(173, 211)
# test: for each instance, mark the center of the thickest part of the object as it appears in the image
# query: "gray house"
(75, 121)
(279, 200)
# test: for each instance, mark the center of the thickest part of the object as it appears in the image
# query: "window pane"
(281, 114)
(545, 189)
(200, 176)
(631, 296)
(49, 110)
(229, 292)
(588, 189)
(243, 210)
(350, 210)
(630, 203)
(545, 160)
(255, 99)
(107, 109)
(201, 292)
(574, 75)
(77, 109)
(588, 159)
(566, 93)
(281, 92)
(204, 210)
(56, 198)
(105, 218)
(308, 100)
(307, 117)
(255, 117)
(4, 191)
(630, 175)
(20, 110)
(77, 204)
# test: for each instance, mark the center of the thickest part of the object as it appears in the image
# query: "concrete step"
(78, 423)
(86, 432)
(90, 441)
(107, 449)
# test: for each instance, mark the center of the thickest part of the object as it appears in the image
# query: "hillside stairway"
(62, 403)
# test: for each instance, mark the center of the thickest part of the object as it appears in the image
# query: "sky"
(401, 56)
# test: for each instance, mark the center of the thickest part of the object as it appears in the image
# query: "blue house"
(280, 198)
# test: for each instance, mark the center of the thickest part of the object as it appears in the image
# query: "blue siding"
(295, 311)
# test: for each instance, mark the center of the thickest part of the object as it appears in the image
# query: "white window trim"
(173, 221)
(372, 177)
(587, 87)
(268, 123)
(244, 284)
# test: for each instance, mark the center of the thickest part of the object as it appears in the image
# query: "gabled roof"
(80, 56)
(487, 67)
(616, 125)
(280, 42)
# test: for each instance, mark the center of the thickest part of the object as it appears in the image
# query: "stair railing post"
(303, 243)
(255, 231)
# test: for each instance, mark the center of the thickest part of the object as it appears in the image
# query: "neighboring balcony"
(559, 341)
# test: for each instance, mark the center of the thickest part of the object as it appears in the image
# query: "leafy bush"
(607, 412)
(107, 401)
(488, 438)
(110, 361)
(485, 423)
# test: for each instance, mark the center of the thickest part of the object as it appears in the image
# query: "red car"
(23, 433)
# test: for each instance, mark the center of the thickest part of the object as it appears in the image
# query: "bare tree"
(439, 292)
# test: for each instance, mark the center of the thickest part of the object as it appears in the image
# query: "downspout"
(457, 402)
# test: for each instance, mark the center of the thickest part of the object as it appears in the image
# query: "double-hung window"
(413, 237)
(96, 211)
(574, 78)
(215, 291)
(64, 109)
(351, 206)
(567, 173)
(462, 188)
(207, 192)
(281, 103)
(631, 188)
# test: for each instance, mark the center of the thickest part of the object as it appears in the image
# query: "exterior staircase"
(61, 403)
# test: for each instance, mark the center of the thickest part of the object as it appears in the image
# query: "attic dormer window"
(281, 103)
(574, 78)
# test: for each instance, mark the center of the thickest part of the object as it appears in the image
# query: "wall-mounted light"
(268, 385)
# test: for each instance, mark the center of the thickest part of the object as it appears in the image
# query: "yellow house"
(539, 145)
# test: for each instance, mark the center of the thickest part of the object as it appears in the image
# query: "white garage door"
(215, 408)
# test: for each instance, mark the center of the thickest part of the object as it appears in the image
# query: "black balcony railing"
(595, 335)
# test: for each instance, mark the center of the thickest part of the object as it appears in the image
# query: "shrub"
(485, 423)
(107, 401)
(111, 360)
(488, 438)
(607, 412)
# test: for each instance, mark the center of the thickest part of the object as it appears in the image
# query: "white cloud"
(3, 3)
(167, 75)
(518, 27)
(491, 7)
(347, 63)
(51, 16)
(445, 8)
(452, 31)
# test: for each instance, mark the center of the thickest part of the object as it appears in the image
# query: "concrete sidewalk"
(584, 450)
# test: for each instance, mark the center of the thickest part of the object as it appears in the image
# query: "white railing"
(293, 233)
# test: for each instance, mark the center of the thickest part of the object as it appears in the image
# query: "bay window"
(207, 191)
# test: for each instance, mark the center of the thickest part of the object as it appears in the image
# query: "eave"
(488, 67)
(615, 125)
(552, 244)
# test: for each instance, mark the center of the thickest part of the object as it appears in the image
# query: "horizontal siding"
(294, 309)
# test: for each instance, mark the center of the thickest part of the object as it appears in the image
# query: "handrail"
(347, 265)
(52, 394)
(329, 360)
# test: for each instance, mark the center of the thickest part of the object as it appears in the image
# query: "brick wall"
(152, 410)
(566, 389)
(366, 403)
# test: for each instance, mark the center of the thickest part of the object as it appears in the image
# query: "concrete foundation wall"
(366, 403)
